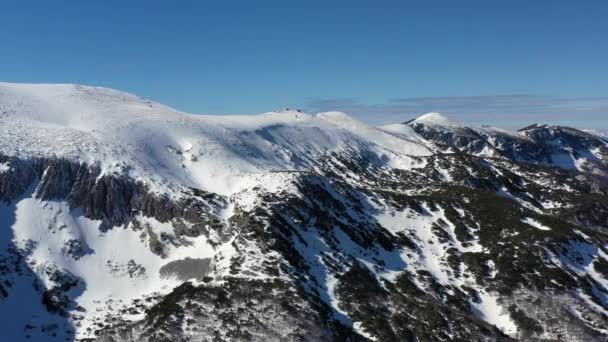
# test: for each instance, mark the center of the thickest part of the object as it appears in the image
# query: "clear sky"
(507, 63)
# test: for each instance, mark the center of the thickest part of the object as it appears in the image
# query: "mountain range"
(122, 219)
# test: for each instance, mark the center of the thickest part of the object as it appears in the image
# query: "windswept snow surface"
(438, 119)
(163, 146)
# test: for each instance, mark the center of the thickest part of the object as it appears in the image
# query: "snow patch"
(4, 167)
(492, 312)
(534, 223)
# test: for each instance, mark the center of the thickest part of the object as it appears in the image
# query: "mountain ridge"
(152, 225)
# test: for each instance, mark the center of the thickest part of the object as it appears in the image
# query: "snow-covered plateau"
(125, 220)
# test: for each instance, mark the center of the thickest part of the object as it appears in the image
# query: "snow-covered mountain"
(126, 220)
(564, 147)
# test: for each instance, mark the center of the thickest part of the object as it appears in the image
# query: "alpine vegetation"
(122, 219)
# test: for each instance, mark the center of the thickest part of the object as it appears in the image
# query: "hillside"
(126, 220)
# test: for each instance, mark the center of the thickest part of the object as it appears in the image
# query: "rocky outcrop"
(115, 199)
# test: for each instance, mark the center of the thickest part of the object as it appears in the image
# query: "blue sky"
(507, 63)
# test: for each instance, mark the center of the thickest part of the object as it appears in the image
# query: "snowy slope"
(121, 267)
(169, 151)
(157, 143)
(436, 119)
(304, 226)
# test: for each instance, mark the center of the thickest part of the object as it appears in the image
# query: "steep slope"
(135, 222)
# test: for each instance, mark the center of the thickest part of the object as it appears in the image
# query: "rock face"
(323, 228)
(114, 199)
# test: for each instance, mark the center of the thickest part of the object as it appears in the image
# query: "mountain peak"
(434, 118)
(75, 106)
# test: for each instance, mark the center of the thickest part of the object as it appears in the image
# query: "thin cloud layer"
(509, 111)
